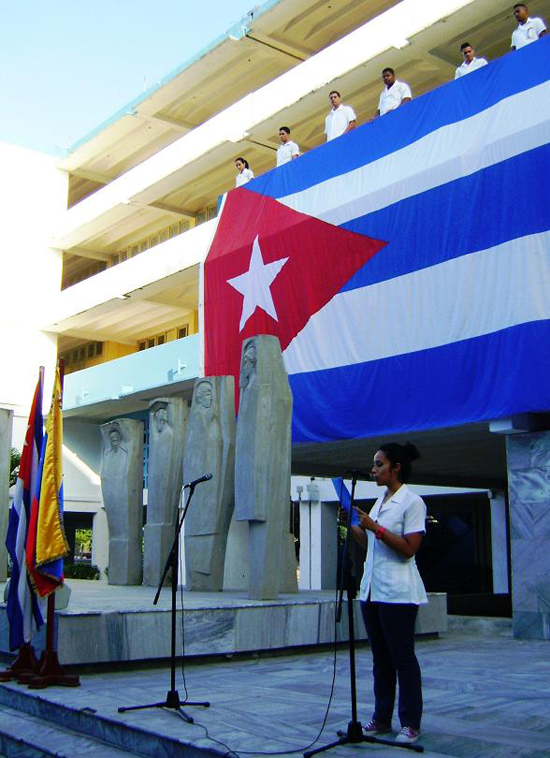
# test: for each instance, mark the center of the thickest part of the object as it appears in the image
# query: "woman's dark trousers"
(390, 627)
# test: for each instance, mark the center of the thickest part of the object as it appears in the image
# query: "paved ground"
(484, 696)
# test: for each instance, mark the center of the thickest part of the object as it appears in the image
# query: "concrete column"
(6, 422)
(318, 542)
(529, 498)
(499, 543)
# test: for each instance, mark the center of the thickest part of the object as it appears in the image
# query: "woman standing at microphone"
(391, 590)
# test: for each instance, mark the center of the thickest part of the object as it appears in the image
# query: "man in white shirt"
(394, 94)
(471, 63)
(287, 150)
(341, 119)
(529, 29)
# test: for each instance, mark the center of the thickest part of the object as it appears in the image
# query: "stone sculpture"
(209, 449)
(167, 429)
(262, 463)
(122, 487)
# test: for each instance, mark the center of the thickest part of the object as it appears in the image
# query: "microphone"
(203, 478)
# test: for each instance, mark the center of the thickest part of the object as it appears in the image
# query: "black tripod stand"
(354, 733)
(172, 697)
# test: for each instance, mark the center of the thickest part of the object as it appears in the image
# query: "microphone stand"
(354, 733)
(172, 700)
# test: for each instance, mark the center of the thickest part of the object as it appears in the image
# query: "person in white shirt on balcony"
(471, 63)
(529, 29)
(287, 150)
(394, 94)
(341, 119)
(391, 590)
(245, 173)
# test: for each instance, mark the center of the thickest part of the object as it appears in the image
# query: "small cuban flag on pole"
(25, 611)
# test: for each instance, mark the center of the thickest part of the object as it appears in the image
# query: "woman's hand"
(406, 546)
(365, 521)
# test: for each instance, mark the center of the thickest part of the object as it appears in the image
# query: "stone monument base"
(105, 624)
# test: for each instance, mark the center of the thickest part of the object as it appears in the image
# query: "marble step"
(483, 625)
(25, 736)
(107, 734)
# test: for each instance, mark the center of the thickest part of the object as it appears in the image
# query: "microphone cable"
(236, 754)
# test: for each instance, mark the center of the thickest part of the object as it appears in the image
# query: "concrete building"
(122, 222)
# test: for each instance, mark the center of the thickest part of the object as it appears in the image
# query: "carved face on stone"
(116, 438)
(161, 419)
(203, 394)
(248, 366)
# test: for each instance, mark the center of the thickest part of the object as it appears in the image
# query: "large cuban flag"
(405, 267)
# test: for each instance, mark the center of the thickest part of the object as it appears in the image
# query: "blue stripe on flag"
(454, 219)
(468, 381)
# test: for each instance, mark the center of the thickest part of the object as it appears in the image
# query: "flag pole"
(51, 671)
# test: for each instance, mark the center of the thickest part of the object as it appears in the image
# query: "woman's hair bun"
(412, 452)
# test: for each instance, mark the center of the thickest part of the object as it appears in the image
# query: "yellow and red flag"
(46, 540)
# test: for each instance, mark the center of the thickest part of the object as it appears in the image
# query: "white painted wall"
(32, 193)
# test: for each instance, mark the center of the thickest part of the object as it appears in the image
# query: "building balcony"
(157, 288)
(199, 164)
(127, 384)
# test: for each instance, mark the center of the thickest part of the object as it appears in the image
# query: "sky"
(68, 65)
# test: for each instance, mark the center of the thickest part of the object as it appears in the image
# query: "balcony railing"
(171, 363)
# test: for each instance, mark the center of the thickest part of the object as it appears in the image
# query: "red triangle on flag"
(320, 259)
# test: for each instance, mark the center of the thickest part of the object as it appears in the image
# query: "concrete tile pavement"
(484, 696)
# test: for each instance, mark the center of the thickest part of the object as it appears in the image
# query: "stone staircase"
(33, 727)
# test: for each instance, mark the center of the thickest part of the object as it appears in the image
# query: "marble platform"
(484, 697)
(108, 624)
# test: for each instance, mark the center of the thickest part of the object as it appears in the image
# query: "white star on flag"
(255, 285)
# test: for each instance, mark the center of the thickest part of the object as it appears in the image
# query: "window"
(212, 212)
(161, 339)
(75, 356)
(99, 348)
(82, 354)
(184, 226)
(153, 240)
(183, 331)
(114, 260)
(144, 246)
(200, 218)
(123, 255)
(151, 343)
(142, 345)
(91, 350)
(173, 230)
(163, 236)
(135, 250)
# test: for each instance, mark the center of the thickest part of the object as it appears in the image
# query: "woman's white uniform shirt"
(389, 576)
(243, 177)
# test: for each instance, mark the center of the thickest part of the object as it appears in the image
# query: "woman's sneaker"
(408, 734)
(375, 727)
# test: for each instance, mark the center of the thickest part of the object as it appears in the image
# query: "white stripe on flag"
(435, 306)
(513, 126)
